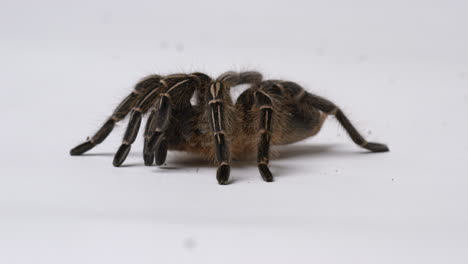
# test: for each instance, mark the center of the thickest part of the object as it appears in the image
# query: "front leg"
(220, 109)
(180, 90)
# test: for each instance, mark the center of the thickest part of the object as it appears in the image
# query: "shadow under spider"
(311, 150)
(285, 152)
(280, 153)
(109, 154)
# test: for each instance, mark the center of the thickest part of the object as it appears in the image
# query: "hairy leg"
(149, 101)
(141, 90)
(328, 107)
(176, 96)
(134, 124)
(265, 107)
(220, 110)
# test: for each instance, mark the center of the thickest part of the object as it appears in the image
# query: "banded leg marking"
(265, 125)
(330, 108)
(157, 141)
(119, 113)
(157, 144)
(216, 108)
(133, 127)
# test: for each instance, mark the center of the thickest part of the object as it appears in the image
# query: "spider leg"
(148, 156)
(159, 100)
(264, 104)
(220, 112)
(177, 95)
(134, 123)
(219, 105)
(250, 77)
(141, 89)
(157, 143)
(232, 78)
(330, 108)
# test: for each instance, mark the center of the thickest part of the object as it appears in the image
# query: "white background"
(399, 69)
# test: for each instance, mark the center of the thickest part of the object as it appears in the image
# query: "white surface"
(399, 69)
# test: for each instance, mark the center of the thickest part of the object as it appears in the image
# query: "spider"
(269, 112)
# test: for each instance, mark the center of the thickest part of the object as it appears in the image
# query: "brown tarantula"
(268, 112)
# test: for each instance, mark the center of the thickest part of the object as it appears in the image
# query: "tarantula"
(268, 112)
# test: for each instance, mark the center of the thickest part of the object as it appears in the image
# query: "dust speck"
(320, 51)
(163, 44)
(180, 47)
(189, 243)
(462, 75)
(363, 57)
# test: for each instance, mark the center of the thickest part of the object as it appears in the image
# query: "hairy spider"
(269, 112)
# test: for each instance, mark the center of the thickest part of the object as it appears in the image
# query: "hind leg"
(330, 108)
(258, 106)
(265, 106)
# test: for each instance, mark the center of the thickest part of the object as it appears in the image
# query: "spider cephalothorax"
(268, 112)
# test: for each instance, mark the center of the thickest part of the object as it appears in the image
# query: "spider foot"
(265, 172)
(121, 155)
(222, 175)
(153, 142)
(161, 153)
(82, 148)
(376, 147)
(148, 158)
